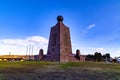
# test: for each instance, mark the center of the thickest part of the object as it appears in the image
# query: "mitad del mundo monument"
(59, 47)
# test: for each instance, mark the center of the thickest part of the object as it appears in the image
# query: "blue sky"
(94, 24)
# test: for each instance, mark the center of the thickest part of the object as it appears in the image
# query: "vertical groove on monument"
(59, 48)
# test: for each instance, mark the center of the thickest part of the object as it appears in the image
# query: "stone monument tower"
(59, 47)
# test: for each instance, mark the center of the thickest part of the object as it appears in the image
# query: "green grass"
(32, 70)
(1, 77)
(113, 66)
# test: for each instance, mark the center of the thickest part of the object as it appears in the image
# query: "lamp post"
(26, 53)
(9, 55)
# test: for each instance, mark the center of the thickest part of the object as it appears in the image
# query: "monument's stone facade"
(59, 47)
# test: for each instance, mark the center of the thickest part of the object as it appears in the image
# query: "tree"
(90, 57)
(107, 55)
(97, 56)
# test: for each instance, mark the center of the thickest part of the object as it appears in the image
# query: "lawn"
(33, 70)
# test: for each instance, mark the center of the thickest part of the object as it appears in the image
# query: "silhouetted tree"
(114, 60)
(107, 55)
(90, 57)
(97, 56)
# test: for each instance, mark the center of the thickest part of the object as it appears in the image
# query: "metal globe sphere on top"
(60, 18)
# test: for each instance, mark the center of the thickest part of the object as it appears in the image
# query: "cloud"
(13, 41)
(19, 46)
(37, 39)
(90, 26)
(87, 29)
(22, 42)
